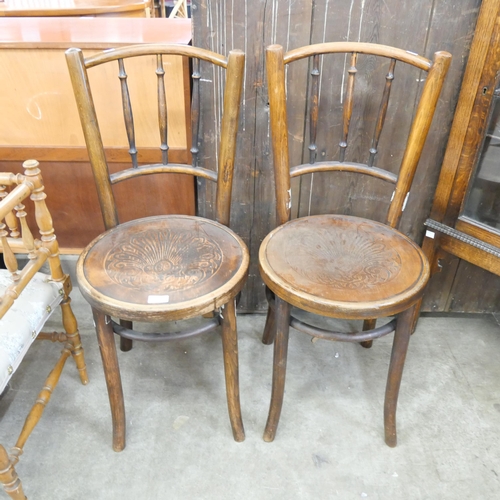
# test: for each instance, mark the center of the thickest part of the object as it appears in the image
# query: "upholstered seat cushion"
(23, 321)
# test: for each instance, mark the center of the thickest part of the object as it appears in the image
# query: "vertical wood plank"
(421, 27)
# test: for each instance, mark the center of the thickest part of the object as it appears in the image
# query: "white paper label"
(158, 299)
(430, 234)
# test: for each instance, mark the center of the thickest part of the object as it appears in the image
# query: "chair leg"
(126, 344)
(282, 311)
(105, 337)
(42, 400)
(8, 477)
(368, 324)
(230, 348)
(398, 356)
(270, 327)
(71, 328)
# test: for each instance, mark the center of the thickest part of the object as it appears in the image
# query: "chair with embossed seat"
(343, 266)
(168, 267)
(28, 297)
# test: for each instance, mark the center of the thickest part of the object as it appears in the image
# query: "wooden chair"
(339, 265)
(168, 267)
(28, 298)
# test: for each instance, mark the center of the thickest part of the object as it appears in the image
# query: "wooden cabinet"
(52, 8)
(463, 232)
(39, 119)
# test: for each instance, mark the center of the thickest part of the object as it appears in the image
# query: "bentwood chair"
(344, 266)
(170, 267)
(28, 298)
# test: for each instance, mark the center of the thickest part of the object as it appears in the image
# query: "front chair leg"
(282, 312)
(8, 477)
(230, 348)
(71, 328)
(398, 356)
(105, 337)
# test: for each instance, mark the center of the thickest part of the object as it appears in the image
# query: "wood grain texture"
(343, 266)
(162, 268)
(132, 8)
(460, 287)
(421, 27)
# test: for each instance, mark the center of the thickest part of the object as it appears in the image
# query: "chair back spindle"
(277, 60)
(313, 116)
(348, 104)
(162, 110)
(127, 112)
(221, 173)
(382, 112)
(195, 111)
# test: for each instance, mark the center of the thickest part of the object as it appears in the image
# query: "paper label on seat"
(158, 299)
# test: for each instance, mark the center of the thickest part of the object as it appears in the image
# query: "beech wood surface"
(344, 267)
(339, 265)
(167, 267)
(162, 268)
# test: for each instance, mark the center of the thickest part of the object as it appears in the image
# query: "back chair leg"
(282, 312)
(71, 328)
(398, 356)
(269, 328)
(368, 324)
(105, 337)
(126, 344)
(8, 477)
(230, 348)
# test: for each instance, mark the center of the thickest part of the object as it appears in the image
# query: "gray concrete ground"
(330, 439)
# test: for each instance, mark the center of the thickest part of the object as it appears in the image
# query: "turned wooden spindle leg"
(105, 337)
(230, 348)
(73, 335)
(279, 367)
(398, 356)
(368, 324)
(43, 398)
(8, 477)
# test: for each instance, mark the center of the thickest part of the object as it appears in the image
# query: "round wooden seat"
(163, 268)
(343, 266)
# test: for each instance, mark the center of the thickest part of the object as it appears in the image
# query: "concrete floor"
(330, 439)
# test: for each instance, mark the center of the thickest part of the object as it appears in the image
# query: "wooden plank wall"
(423, 27)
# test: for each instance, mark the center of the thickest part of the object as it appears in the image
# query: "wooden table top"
(17, 8)
(96, 33)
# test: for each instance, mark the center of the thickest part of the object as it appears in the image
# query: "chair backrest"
(16, 236)
(277, 62)
(221, 173)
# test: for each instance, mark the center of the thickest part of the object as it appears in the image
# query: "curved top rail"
(361, 48)
(153, 49)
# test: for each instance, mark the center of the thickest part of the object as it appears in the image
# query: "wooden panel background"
(422, 27)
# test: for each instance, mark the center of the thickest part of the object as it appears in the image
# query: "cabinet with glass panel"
(465, 217)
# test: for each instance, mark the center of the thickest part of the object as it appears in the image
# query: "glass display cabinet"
(465, 217)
